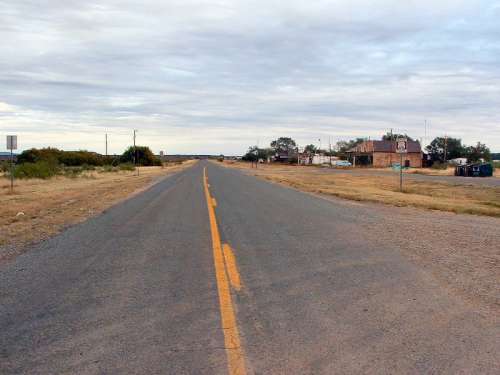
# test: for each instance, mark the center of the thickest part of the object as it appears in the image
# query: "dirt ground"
(434, 195)
(461, 251)
(39, 209)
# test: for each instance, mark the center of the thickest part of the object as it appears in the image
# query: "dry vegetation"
(479, 200)
(41, 208)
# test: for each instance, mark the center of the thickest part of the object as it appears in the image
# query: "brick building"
(382, 154)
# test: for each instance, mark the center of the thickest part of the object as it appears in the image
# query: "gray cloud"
(216, 76)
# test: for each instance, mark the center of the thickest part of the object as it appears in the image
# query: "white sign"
(12, 142)
(402, 146)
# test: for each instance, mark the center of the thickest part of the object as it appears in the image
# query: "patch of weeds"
(108, 168)
(40, 169)
(127, 167)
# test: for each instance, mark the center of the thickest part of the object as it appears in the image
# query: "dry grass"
(432, 172)
(479, 200)
(41, 208)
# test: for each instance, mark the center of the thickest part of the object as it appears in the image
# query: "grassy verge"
(40, 208)
(478, 200)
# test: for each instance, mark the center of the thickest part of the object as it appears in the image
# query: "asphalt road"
(151, 287)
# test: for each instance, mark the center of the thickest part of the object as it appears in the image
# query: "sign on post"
(11, 145)
(401, 148)
(12, 142)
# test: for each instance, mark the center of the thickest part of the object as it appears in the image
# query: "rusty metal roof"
(384, 146)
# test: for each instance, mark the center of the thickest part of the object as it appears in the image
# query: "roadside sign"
(402, 146)
(12, 142)
(11, 145)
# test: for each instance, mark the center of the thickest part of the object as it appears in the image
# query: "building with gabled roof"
(382, 154)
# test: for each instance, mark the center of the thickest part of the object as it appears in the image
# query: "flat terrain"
(479, 196)
(308, 285)
(424, 174)
(41, 208)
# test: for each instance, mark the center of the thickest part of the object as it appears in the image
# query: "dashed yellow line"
(231, 267)
(234, 350)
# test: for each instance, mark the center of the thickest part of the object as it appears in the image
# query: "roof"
(384, 146)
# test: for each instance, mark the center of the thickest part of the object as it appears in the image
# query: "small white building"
(323, 159)
(317, 159)
(458, 161)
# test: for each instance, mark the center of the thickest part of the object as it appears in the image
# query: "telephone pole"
(330, 150)
(135, 153)
(445, 148)
(106, 138)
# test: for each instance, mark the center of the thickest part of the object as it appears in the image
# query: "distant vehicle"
(343, 163)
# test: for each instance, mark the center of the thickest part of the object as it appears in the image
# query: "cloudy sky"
(199, 76)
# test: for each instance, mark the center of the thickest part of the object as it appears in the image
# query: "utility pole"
(425, 131)
(106, 137)
(12, 145)
(135, 154)
(445, 148)
(330, 150)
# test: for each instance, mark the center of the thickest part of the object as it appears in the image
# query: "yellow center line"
(234, 351)
(231, 267)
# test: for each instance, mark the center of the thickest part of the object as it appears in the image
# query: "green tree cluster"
(447, 148)
(141, 155)
(60, 157)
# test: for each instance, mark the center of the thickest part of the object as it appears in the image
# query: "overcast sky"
(218, 76)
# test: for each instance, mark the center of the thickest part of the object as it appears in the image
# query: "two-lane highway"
(212, 271)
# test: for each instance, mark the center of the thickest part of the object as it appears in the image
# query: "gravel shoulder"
(461, 251)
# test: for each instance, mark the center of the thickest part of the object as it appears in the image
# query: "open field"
(440, 172)
(435, 195)
(41, 208)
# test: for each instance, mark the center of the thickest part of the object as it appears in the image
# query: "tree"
(453, 147)
(344, 146)
(478, 152)
(255, 153)
(392, 137)
(144, 156)
(284, 145)
(310, 149)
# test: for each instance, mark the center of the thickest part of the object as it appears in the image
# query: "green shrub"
(67, 158)
(109, 169)
(40, 169)
(126, 167)
(4, 166)
(86, 167)
(72, 172)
